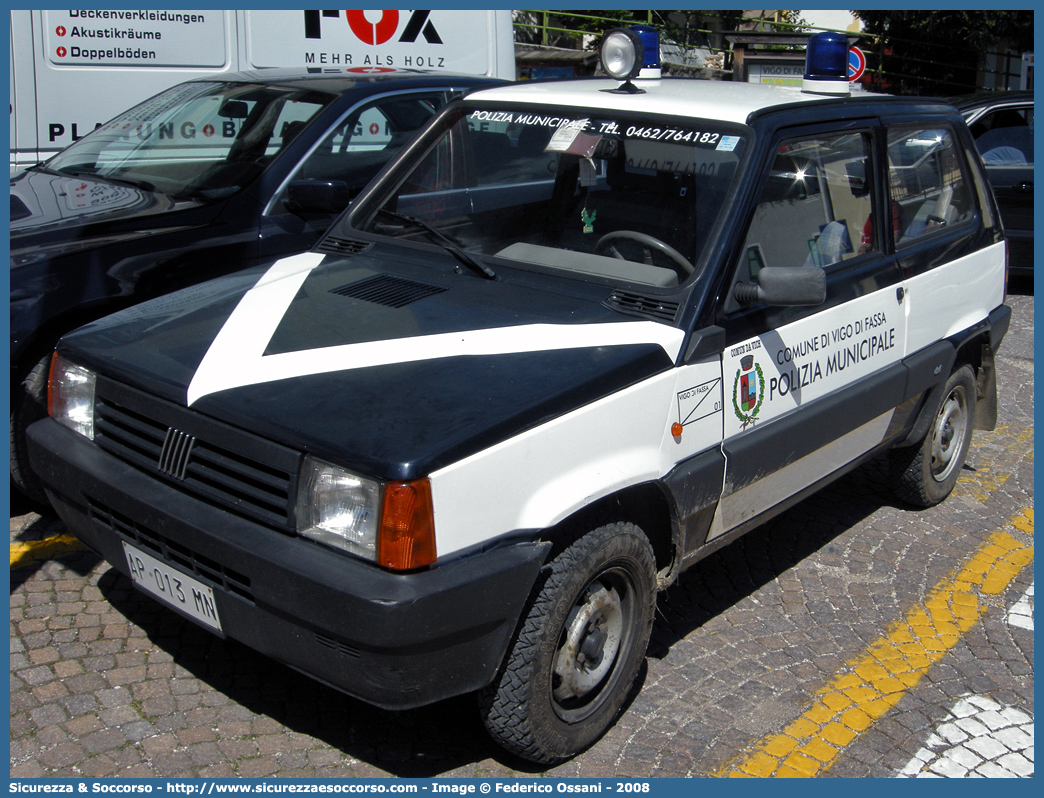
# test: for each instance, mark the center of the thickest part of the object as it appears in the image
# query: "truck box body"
(72, 71)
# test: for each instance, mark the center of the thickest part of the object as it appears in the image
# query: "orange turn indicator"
(407, 531)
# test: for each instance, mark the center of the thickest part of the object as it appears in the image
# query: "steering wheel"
(605, 244)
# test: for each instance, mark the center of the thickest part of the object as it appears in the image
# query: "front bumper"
(394, 640)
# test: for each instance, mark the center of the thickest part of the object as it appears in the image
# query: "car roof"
(340, 81)
(983, 99)
(714, 99)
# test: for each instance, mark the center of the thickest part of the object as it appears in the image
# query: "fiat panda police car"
(577, 336)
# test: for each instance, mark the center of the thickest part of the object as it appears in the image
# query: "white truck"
(72, 71)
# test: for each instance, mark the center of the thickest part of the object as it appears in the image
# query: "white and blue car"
(575, 337)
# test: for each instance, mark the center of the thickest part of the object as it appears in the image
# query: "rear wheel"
(579, 649)
(925, 474)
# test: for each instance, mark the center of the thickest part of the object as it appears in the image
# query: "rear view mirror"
(789, 285)
(317, 196)
(233, 109)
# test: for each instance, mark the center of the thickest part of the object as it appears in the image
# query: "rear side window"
(928, 191)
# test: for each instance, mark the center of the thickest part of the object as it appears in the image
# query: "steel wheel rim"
(599, 623)
(948, 434)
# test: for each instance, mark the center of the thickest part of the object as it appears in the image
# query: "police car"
(575, 338)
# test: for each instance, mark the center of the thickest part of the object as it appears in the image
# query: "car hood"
(50, 209)
(377, 362)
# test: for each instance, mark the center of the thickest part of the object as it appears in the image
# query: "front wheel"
(579, 649)
(924, 475)
(28, 405)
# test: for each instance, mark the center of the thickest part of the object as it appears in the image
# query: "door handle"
(1025, 187)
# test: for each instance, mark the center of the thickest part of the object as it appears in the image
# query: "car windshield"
(594, 194)
(197, 140)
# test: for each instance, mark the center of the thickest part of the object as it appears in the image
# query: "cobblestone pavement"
(752, 651)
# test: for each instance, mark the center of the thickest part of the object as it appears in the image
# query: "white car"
(577, 336)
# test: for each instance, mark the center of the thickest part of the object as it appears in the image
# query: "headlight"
(391, 524)
(339, 508)
(622, 53)
(70, 396)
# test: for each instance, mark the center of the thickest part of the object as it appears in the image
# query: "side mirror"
(317, 196)
(784, 285)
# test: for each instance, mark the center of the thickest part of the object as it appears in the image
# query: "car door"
(951, 277)
(349, 154)
(809, 390)
(1004, 137)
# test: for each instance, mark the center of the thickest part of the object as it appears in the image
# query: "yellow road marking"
(985, 480)
(33, 551)
(874, 681)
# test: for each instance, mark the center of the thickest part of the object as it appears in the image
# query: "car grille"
(224, 465)
(170, 550)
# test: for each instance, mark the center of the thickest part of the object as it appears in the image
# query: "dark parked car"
(1002, 124)
(208, 177)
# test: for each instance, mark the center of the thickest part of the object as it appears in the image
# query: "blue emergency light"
(651, 43)
(826, 64)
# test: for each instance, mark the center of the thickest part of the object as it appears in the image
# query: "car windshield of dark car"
(197, 140)
(594, 194)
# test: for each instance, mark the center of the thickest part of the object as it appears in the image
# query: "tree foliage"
(688, 28)
(938, 52)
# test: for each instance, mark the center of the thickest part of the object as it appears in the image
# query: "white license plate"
(173, 587)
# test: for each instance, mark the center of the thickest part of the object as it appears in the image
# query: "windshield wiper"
(43, 168)
(143, 185)
(451, 244)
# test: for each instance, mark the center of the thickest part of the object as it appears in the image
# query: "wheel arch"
(44, 338)
(975, 347)
(646, 505)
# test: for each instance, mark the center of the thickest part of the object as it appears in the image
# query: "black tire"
(579, 649)
(28, 405)
(924, 475)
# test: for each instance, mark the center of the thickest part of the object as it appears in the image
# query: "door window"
(927, 188)
(290, 121)
(359, 146)
(814, 207)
